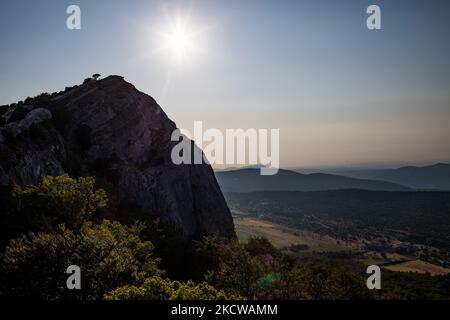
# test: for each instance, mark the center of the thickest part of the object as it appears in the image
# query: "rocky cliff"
(108, 129)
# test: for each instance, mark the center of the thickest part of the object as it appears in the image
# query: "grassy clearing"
(419, 267)
(282, 236)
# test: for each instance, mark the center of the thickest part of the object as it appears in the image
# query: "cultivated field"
(419, 267)
(282, 237)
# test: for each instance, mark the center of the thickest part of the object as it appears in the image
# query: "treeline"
(61, 222)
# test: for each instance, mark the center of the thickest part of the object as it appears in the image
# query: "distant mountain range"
(249, 180)
(436, 176)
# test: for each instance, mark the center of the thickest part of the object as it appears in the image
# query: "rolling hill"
(249, 180)
(435, 176)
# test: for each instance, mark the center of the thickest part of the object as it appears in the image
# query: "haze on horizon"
(340, 94)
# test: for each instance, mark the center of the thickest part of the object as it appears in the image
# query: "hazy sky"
(339, 93)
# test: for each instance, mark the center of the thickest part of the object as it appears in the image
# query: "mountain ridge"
(435, 176)
(249, 180)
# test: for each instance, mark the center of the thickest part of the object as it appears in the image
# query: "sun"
(179, 38)
(179, 42)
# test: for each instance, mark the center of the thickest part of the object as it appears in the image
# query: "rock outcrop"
(108, 129)
(33, 117)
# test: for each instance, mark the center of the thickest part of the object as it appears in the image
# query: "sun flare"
(178, 43)
(179, 39)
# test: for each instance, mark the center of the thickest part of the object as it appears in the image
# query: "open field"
(418, 266)
(282, 236)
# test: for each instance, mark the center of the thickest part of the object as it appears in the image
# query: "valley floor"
(304, 242)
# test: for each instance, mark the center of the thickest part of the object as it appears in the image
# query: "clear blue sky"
(339, 93)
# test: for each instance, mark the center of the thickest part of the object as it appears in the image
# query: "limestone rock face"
(110, 130)
(30, 149)
(35, 116)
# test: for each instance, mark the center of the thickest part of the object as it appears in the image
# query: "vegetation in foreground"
(60, 222)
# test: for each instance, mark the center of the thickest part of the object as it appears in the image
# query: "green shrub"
(157, 288)
(56, 200)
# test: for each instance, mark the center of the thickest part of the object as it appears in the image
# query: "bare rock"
(33, 117)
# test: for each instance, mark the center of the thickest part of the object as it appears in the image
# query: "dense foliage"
(56, 200)
(109, 254)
